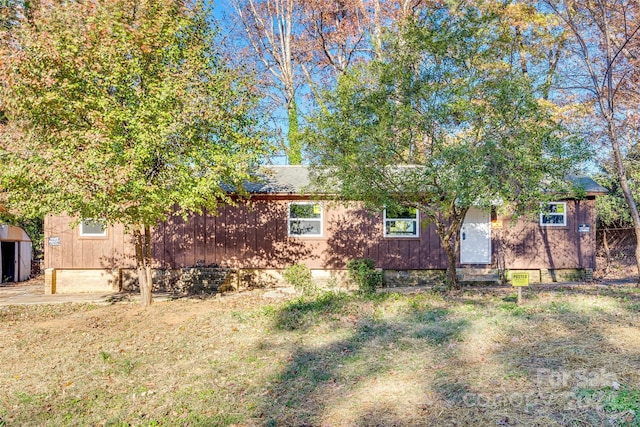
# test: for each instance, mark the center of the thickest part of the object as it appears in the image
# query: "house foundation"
(209, 280)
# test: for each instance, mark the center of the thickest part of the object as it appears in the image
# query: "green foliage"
(121, 110)
(8, 10)
(623, 402)
(448, 121)
(514, 309)
(363, 272)
(294, 149)
(33, 226)
(299, 276)
(612, 210)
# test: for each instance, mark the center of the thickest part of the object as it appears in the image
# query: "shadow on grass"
(563, 352)
(304, 311)
(316, 377)
(537, 359)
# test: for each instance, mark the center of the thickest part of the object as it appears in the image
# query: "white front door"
(475, 237)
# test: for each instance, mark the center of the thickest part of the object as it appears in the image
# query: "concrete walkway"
(32, 292)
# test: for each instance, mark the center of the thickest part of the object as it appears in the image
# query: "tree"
(125, 113)
(611, 211)
(269, 29)
(447, 123)
(298, 47)
(602, 71)
(333, 35)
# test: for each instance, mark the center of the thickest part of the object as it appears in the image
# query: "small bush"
(299, 276)
(363, 272)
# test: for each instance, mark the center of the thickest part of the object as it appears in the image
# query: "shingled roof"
(280, 180)
(591, 187)
(294, 179)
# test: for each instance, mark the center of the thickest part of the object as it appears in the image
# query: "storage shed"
(15, 254)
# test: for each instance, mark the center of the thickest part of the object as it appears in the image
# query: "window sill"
(93, 237)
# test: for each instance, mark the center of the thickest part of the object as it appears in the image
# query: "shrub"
(363, 272)
(299, 276)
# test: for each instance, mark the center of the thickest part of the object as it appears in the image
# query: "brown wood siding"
(254, 235)
(526, 244)
(116, 249)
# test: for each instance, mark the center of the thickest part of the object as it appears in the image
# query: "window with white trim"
(305, 219)
(554, 214)
(401, 222)
(93, 228)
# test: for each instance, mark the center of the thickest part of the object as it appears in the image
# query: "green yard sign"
(520, 279)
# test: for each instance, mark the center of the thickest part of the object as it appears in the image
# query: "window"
(93, 228)
(401, 222)
(305, 219)
(554, 214)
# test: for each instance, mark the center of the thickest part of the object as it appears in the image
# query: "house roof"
(591, 187)
(280, 180)
(294, 179)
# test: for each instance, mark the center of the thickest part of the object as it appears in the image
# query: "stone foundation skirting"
(401, 278)
(208, 280)
(182, 281)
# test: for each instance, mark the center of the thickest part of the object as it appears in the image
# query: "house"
(279, 225)
(15, 254)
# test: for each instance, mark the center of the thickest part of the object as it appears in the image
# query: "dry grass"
(569, 356)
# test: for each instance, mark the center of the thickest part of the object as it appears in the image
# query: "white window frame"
(401, 236)
(320, 220)
(82, 233)
(543, 214)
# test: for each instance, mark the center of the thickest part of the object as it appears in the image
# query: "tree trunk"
(376, 33)
(626, 190)
(604, 86)
(637, 230)
(142, 237)
(294, 153)
(449, 232)
(452, 273)
(609, 110)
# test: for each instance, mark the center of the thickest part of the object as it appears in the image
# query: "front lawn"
(568, 356)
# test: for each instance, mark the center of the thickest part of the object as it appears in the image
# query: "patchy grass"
(622, 404)
(568, 356)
